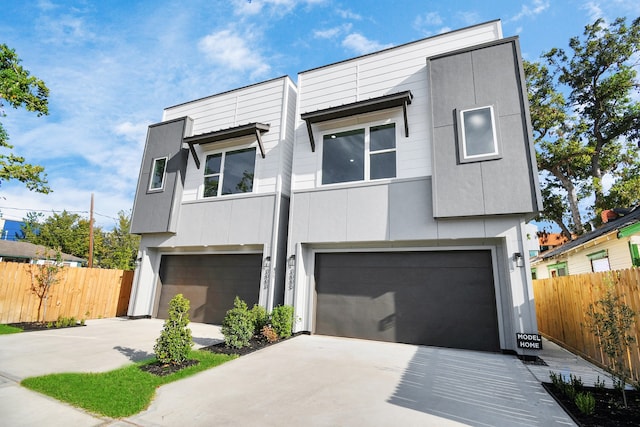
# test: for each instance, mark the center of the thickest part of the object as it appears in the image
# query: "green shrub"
(175, 340)
(282, 320)
(586, 403)
(259, 318)
(237, 326)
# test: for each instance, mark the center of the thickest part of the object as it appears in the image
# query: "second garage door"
(440, 298)
(210, 282)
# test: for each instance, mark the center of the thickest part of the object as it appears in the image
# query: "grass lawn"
(6, 329)
(119, 393)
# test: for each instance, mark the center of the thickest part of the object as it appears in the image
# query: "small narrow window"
(382, 152)
(478, 135)
(157, 173)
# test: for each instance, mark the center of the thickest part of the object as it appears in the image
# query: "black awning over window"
(400, 99)
(225, 134)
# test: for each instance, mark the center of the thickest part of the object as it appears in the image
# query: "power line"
(57, 211)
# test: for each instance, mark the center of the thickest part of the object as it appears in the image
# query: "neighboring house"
(410, 173)
(25, 252)
(550, 241)
(212, 202)
(10, 228)
(533, 242)
(613, 246)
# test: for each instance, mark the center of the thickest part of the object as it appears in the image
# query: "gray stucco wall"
(487, 75)
(158, 211)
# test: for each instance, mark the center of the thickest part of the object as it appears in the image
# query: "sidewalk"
(564, 362)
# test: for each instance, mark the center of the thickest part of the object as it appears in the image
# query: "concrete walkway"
(308, 380)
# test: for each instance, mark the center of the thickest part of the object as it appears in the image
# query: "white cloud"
(229, 50)
(468, 18)
(361, 45)
(274, 7)
(331, 33)
(347, 14)
(593, 10)
(530, 10)
(428, 19)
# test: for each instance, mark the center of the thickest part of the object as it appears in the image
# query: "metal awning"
(226, 134)
(400, 99)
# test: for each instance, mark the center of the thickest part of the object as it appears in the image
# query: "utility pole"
(91, 234)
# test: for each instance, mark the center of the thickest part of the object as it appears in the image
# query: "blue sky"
(113, 66)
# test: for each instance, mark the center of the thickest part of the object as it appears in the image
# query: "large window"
(230, 172)
(478, 135)
(158, 170)
(359, 154)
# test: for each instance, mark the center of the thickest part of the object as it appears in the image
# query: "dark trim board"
(439, 298)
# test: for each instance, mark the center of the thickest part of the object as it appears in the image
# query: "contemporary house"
(212, 202)
(388, 201)
(615, 245)
(413, 178)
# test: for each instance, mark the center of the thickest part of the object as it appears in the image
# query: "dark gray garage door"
(443, 298)
(210, 282)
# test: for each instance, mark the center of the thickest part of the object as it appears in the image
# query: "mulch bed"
(160, 369)
(40, 326)
(257, 342)
(610, 410)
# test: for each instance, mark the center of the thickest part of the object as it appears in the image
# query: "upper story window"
(229, 172)
(478, 136)
(158, 170)
(359, 154)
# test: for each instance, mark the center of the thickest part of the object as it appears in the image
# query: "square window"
(158, 170)
(477, 134)
(360, 154)
(231, 172)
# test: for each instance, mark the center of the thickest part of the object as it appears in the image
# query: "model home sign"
(530, 341)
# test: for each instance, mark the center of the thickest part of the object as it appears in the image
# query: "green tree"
(175, 341)
(611, 320)
(120, 247)
(43, 277)
(19, 89)
(590, 132)
(67, 231)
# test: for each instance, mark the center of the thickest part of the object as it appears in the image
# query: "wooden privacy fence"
(562, 304)
(83, 293)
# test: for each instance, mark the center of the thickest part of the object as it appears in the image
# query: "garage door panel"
(441, 298)
(210, 282)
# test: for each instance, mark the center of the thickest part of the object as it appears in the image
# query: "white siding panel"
(382, 73)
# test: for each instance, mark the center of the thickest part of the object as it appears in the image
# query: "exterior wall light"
(518, 259)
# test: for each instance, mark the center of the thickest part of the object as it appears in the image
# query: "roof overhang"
(400, 99)
(225, 134)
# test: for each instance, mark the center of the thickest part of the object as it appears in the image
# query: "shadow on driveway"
(475, 388)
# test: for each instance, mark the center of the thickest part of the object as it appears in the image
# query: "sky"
(112, 66)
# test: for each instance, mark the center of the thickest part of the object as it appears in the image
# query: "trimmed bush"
(237, 326)
(259, 318)
(282, 320)
(175, 340)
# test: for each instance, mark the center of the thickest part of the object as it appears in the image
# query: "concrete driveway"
(308, 380)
